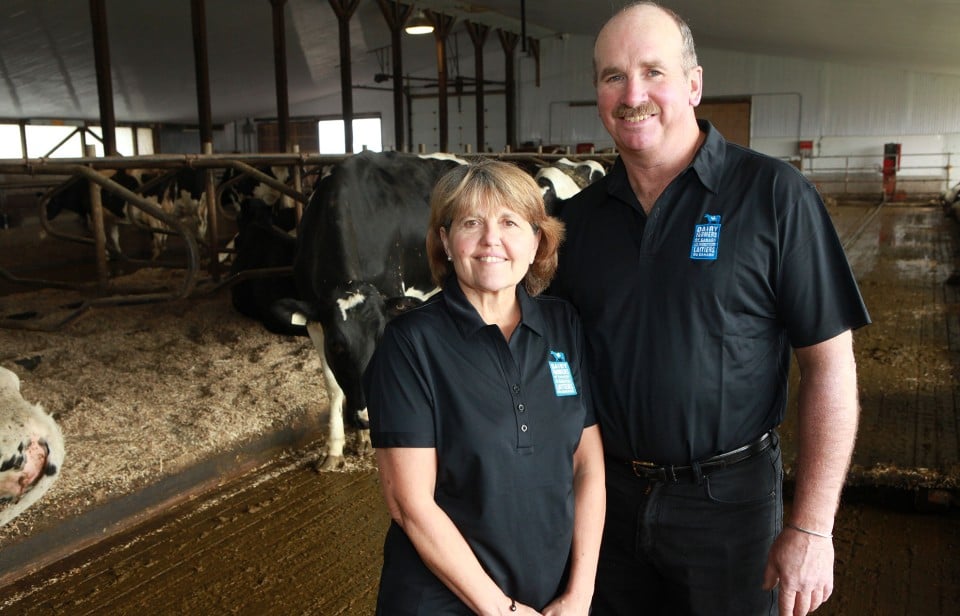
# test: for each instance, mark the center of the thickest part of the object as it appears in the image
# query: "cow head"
(352, 329)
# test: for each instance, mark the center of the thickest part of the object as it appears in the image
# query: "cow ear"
(398, 305)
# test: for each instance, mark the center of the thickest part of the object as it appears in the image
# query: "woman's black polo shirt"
(691, 313)
(505, 420)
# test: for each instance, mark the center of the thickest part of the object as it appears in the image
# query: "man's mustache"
(643, 110)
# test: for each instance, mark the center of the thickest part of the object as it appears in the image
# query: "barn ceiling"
(47, 58)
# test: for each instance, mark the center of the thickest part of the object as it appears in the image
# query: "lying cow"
(31, 449)
(950, 201)
(360, 260)
(265, 239)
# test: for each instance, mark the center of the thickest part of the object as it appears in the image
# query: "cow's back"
(367, 222)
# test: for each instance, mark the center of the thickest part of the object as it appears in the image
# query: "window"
(144, 141)
(366, 134)
(124, 136)
(53, 140)
(64, 141)
(10, 141)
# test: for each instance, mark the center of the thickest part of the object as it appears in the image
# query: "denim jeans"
(697, 547)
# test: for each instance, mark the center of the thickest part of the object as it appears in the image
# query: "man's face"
(643, 93)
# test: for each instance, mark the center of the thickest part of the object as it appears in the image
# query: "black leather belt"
(675, 474)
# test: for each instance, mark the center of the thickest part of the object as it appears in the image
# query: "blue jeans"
(698, 547)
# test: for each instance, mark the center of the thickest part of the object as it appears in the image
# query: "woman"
(490, 459)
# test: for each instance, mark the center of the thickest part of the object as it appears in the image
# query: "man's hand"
(803, 566)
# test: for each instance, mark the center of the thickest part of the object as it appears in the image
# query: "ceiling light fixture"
(419, 24)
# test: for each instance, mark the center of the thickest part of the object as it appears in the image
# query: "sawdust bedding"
(145, 391)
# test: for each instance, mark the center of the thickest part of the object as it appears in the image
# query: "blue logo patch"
(706, 239)
(563, 383)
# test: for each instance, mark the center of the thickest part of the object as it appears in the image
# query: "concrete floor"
(283, 539)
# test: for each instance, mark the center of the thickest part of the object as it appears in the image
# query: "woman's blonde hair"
(479, 185)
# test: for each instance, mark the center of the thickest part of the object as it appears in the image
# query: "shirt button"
(523, 428)
(516, 389)
(520, 407)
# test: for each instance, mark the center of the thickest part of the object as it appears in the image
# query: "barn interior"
(195, 455)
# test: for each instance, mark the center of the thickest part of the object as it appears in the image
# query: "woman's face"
(491, 249)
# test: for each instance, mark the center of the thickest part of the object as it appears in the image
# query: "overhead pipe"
(344, 10)
(101, 56)
(478, 35)
(396, 15)
(280, 72)
(442, 25)
(42, 165)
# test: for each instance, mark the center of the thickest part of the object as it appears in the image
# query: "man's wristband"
(809, 532)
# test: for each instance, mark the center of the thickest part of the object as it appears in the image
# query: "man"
(697, 267)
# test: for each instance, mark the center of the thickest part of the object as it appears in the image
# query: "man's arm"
(802, 556)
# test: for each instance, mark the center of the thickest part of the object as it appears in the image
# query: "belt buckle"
(646, 470)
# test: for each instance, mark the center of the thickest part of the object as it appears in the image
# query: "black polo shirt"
(505, 420)
(690, 313)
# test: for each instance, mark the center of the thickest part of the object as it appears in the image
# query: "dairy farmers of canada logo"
(706, 239)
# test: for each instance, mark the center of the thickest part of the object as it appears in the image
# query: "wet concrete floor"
(283, 539)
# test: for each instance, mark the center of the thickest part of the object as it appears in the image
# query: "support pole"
(280, 72)
(99, 235)
(213, 226)
(101, 56)
(442, 25)
(478, 34)
(508, 41)
(199, 19)
(344, 10)
(396, 15)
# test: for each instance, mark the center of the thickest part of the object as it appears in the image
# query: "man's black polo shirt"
(505, 420)
(690, 313)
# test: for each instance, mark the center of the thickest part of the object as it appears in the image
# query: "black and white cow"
(180, 194)
(74, 196)
(950, 201)
(361, 258)
(565, 178)
(236, 187)
(265, 239)
(31, 449)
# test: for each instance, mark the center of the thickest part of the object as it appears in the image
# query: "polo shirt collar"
(707, 164)
(708, 161)
(468, 320)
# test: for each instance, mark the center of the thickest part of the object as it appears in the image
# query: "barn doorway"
(730, 116)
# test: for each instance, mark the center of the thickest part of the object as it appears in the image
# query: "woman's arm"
(408, 479)
(590, 504)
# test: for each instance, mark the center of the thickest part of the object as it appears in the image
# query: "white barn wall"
(845, 110)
